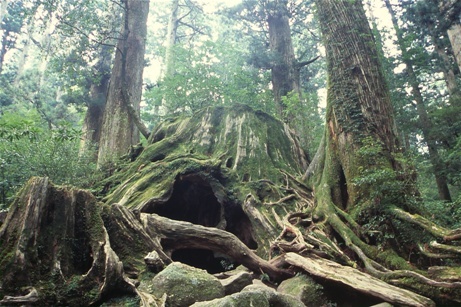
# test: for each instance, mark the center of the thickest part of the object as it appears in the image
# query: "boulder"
(241, 299)
(153, 262)
(304, 289)
(236, 281)
(184, 285)
(275, 298)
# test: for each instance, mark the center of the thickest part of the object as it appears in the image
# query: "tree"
(173, 23)
(121, 114)
(274, 18)
(425, 122)
(361, 181)
(451, 10)
(98, 92)
(10, 26)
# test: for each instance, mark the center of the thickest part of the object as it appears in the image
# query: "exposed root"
(362, 282)
(281, 200)
(446, 248)
(187, 235)
(430, 254)
(434, 229)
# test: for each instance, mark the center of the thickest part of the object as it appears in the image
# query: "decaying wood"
(187, 235)
(29, 298)
(434, 229)
(348, 276)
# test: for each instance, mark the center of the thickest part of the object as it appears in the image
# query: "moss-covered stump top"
(218, 141)
(184, 285)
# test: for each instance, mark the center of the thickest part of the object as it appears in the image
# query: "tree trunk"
(171, 39)
(424, 121)
(98, 93)
(359, 109)
(119, 129)
(450, 10)
(447, 68)
(454, 33)
(285, 73)
(3, 49)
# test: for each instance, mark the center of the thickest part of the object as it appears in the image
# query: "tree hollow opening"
(192, 200)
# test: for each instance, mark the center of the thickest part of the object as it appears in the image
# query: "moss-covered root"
(370, 255)
(434, 229)
(362, 282)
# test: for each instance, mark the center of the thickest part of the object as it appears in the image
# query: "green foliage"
(385, 185)
(203, 78)
(28, 149)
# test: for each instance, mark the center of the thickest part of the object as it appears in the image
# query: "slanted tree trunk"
(121, 114)
(424, 121)
(454, 33)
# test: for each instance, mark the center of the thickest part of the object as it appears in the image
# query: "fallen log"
(359, 281)
(187, 235)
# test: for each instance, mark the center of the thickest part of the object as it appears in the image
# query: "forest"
(230, 153)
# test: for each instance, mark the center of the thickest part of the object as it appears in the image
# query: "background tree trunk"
(424, 121)
(285, 73)
(450, 10)
(119, 129)
(98, 93)
(171, 38)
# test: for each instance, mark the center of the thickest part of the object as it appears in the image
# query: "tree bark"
(171, 39)
(450, 10)
(424, 121)
(358, 103)
(119, 129)
(98, 93)
(285, 72)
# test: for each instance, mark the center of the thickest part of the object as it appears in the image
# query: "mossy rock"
(305, 289)
(241, 299)
(184, 285)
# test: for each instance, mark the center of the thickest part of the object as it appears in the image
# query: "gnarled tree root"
(362, 282)
(187, 235)
(434, 229)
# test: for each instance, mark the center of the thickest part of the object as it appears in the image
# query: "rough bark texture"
(119, 129)
(358, 104)
(285, 72)
(55, 237)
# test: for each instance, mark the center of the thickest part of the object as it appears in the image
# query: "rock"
(185, 285)
(304, 289)
(236, 282)
(153, 262)
(275, 299)
(242, 299)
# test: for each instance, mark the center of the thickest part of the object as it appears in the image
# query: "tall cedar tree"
(121, 114)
